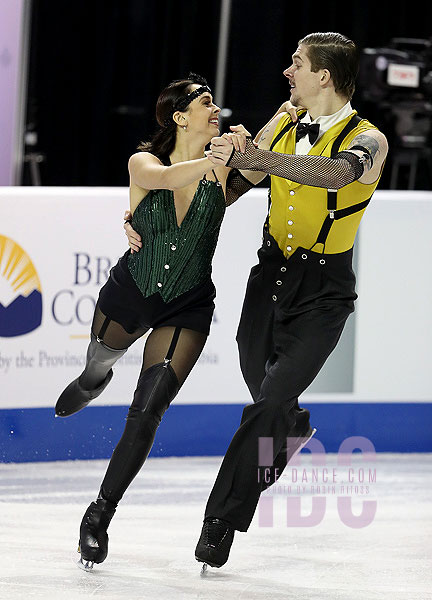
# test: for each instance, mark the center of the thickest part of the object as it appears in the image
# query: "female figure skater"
(178, 199)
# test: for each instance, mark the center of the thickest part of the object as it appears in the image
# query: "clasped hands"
(222, 147)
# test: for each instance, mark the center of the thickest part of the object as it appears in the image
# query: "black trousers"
(292, 318)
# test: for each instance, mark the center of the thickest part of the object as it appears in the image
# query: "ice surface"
(154, 533)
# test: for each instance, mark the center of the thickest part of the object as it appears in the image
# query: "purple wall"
(10, 78)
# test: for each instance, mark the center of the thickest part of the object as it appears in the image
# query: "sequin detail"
(175, 259)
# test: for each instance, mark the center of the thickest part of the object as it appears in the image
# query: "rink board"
(204, 430)
(70, 237)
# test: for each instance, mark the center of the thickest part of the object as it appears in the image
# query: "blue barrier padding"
(33, 434)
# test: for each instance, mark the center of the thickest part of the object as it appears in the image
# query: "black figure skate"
(93, 542)
(215, 543)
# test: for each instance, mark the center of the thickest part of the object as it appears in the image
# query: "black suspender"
(340, 214)
(332, 194)
(284, 130)
(281, 133)
(352, 124)
(279, 136)
(334, 213)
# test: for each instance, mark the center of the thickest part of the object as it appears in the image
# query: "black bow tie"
(308, 128)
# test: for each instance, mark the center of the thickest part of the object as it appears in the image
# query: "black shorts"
(121, 300)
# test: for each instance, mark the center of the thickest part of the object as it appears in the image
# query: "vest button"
(290, 235)
(274, 298)
(322, 261)
(289, 248)
(292, 192)
(283, 269)
(290, 222)
(166, 267)
(291, 207)
(304, 256)
(173, 247)
(159, 284)
(278, 282)
(268, 243)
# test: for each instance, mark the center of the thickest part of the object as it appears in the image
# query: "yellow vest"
(298, 211)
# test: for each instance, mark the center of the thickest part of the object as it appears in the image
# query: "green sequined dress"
(174, 259)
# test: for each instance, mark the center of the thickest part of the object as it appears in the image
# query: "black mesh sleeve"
(236, 186)
(317, 171)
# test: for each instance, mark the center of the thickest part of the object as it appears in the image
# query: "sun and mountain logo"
(20, 291)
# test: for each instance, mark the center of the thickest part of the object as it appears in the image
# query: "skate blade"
(85, 565)
(304, 443)
(206, 564)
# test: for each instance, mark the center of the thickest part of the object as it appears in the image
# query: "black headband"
(181, 104)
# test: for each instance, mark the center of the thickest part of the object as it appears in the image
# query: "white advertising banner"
(58, 244)
(393, 350)
(56, 248)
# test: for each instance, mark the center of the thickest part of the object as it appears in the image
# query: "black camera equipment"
(398, 80)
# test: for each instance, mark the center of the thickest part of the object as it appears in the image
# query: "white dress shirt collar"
(325, 122)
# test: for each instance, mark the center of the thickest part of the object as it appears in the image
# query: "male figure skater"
(324, 170)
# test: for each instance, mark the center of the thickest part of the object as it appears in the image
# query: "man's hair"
(338, 54)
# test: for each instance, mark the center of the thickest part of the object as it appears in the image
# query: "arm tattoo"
(369, 143)
(263, 135)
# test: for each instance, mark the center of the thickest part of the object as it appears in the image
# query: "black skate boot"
(93, 542)
(92, 382)
(215, 542)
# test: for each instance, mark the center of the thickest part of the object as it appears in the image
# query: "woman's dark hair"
(338, 54)
(172, 98)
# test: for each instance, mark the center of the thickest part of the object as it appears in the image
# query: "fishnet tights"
(187, 350)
